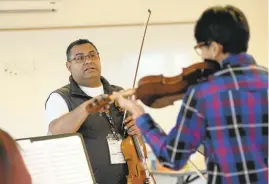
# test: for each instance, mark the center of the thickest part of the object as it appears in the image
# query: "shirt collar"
(75, 89)
(238, 60)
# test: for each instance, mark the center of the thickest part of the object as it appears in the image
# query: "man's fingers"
(97, 103)
(134, 132)
(130, 124)
(132, 128)
(99, 100)
(129, 118)
(105, 108)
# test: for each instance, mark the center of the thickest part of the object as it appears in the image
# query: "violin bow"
(141, 48)
(138, 61)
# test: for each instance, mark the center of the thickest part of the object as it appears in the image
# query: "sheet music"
(56, 161)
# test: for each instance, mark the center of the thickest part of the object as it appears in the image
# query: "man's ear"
(68, 65)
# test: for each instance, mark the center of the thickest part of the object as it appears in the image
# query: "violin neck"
(149, 179)
(135, 139)
(138, 149)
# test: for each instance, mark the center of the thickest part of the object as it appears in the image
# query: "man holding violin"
(67, 112)
(227, 113)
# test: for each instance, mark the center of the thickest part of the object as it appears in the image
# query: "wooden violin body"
(159, 91)
(134, 156)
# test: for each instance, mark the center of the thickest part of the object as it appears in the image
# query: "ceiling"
(72, 13)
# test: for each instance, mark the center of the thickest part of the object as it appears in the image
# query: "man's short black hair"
(77, 42)
(227, 26)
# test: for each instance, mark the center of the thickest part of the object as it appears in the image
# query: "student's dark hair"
(227, 26)
(77, 42)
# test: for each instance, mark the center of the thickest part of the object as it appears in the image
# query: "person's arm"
(58, 117)
(173, 150)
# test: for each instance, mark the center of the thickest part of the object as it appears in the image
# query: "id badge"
(114, 145)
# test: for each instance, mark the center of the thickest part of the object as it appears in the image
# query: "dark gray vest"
(94, 131)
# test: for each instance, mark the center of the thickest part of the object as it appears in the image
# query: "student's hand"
(131, 106)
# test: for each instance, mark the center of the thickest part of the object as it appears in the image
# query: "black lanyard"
(112, 125)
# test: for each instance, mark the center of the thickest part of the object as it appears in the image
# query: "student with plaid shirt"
(228, 113)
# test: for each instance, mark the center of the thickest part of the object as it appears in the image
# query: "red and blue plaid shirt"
(228, 114)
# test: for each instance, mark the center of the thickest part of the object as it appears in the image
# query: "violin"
(157, 91)
(133, 147)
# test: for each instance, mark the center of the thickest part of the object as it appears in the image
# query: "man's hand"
(97, 104)
(130, 126)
